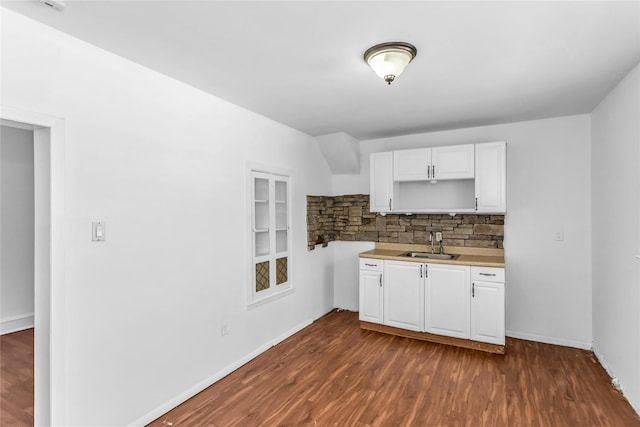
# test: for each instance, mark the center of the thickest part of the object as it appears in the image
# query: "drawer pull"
(487, 274)
(370, 265)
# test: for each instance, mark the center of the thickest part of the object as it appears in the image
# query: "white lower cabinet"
(371, 295)
(442, 299)
(487, 312)
(447, 300)
(404, 295)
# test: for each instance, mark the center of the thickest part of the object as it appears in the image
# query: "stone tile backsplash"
(348, 218)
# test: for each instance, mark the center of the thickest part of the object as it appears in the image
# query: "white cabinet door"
(412, 165)
(439, 163)
(371, 296)
(491, 188)
(381, 182)
(454, 162)
(487, 312)
(447, 300)
(404, 295)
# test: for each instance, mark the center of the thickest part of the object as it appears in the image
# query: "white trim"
(18, 125)
(16, 323)
(50, 292)
(550, 340)
(274, 296)
(197, 388)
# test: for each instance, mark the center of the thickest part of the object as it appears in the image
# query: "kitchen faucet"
(438, 239)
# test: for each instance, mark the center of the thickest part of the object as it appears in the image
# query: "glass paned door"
(270, 234)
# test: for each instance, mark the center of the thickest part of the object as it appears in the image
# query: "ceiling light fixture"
(389, 60)
(58, 5)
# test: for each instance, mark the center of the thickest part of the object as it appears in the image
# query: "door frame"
(49, 262)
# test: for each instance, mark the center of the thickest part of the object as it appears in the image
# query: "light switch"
(97, 231)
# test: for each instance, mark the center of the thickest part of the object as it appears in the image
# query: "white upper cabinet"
(491, 173)
(469, 178)
(412, 165)
(382, 186)
(439, 163)
(454, 162)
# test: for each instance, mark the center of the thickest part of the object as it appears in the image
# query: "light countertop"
(483, 257)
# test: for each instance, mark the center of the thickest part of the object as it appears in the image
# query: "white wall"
(346, 271)
(17, 219)
(164, 165)
(616, 233)
(548, 288)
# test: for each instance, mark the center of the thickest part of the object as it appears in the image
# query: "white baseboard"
(550, 340)
(16, 323)
(197, 388)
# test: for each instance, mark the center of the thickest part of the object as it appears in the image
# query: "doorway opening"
(47, 259)
(17, 301)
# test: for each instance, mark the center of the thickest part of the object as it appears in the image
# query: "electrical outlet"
(224, 328)
(558, 236)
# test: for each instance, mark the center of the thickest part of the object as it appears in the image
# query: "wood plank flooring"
(16, 379)
(332, 373)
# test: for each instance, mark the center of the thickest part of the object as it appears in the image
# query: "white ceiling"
(300, 62)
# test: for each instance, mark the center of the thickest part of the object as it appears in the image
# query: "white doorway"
(17, 274)
(16, 229)
(48, 260)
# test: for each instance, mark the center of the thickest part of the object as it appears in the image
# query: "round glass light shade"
(389, 60)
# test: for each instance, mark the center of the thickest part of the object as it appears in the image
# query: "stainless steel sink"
(428, 255)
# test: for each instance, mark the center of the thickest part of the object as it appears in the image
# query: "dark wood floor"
(16, 379)
(334, 374)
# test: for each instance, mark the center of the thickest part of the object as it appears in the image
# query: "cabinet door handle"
(426, 271)
(421, 271)
(389, 204)
(429, 171)
(473, 290)
(476, 203)
(487, 274)
(380, 280)
(433, 171)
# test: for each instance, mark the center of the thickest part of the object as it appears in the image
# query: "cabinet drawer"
(487, 274)
(371, 264)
